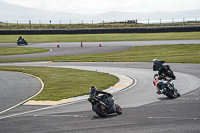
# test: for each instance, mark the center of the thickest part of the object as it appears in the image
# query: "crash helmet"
(155, 60)
(93, 90)
(155, 75)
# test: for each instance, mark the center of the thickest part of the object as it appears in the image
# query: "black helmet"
(155, 75)
(93, 90)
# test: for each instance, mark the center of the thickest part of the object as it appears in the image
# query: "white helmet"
(155, 60)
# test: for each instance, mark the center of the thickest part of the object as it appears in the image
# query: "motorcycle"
(167, 88)
(103, 105)
(22, 41)
(169, 73)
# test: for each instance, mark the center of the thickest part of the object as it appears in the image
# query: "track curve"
(74, 48)
(143, 110)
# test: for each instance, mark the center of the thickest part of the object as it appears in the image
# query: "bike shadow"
(165, 98)
(107, 117)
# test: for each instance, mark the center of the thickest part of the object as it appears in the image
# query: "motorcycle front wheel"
(118, 109)
(168, 93)
(99, 111)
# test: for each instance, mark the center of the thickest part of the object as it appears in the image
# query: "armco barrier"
(102, 30)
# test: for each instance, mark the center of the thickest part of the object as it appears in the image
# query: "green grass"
(20, 50)
(102, 37)
(61, 83)
(182, 53)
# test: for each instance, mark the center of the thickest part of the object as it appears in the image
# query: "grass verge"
(85, 26)
(21, 50)
(182, 53)
(102, 37)
(61, 83)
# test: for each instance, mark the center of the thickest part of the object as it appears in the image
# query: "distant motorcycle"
(103, 105)
(22, 41)
(168, 88)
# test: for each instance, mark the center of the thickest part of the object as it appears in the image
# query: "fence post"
(30, 23)
(7, 23)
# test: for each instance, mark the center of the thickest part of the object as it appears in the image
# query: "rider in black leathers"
(158, 66)
(19, 39)
(94, 92)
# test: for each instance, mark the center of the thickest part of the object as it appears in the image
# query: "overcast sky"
(92, 7)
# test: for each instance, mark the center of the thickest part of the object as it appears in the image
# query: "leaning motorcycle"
(22, 41)
(103, 105)
(169, 89)
(169, 73)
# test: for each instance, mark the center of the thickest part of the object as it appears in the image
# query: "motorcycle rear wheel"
(171, 75)
(99, 111)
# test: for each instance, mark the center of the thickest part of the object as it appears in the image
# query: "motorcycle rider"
(159, 83)
(94, 92)
(20, 38)
(158, 66)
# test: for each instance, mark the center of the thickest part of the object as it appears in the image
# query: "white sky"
(92, 7)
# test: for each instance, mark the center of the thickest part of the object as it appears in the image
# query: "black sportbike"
(168, 73)
(103, 105)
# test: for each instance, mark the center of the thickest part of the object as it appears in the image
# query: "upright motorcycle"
(103, 105)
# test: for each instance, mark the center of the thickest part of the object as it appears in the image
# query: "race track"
(143, 109)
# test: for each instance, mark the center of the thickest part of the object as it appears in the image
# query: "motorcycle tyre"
(168, 93)
(118, 109)
(98, 111)
(171, 75)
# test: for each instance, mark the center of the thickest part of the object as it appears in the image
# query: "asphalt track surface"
(143, 109)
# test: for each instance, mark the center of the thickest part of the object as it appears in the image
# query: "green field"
(61, 83)
(102, 37)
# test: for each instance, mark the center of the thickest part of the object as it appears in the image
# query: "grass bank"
(86, 26)
(102, 37)
(61, 83)
(94, 25)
